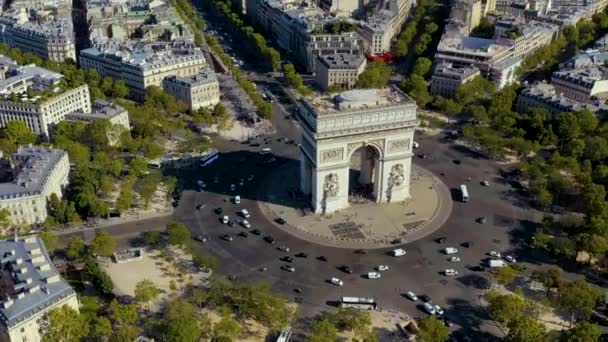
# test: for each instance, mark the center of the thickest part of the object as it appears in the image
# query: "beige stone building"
(200, 90)
(339, 69)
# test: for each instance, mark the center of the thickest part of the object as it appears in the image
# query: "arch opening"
(363, 174)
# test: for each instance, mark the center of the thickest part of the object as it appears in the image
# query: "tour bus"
(285, 335)
(210, 158)
(465, 193)
(358, 303)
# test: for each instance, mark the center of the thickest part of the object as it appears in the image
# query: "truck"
(497, 263)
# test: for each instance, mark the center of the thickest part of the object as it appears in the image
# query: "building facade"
(379, 122)
(38, 173)
(200, 90)
(342, 70)
(447, 78)
(145, 64)
(34, 288)
(40, 115)
(583, 85)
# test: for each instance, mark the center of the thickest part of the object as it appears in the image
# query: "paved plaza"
(365, 224)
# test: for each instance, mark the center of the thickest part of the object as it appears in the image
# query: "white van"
(398, 252)
(225, 219)
(237, 199)
(450, 250)
(245, 213)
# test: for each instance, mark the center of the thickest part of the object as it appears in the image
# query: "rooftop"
(359, 99)
(448, 70)
(546, 93)
(204, 77)
(30, 283)
(35, 165)
(585, 77)
(101, 109)
(342, 61)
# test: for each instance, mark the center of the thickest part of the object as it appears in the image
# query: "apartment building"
(38, 173)
(200, 90)
(339, 69)
(41, 114)
(142, 64)
(117, 115)
(378, 31)
(583, 85)
(51, 39)
(546, 96)
(447, 78)
(33, 287)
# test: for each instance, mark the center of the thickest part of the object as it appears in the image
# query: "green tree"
(75, 249)
(152, 237)
(18, 133)
(551, 278)
(579, 298)
(178, 234)
(125, 333)
(583, 332)
(432, 330)
(422, 66)
(101, 328)
(138, 167)
(323, 331)
(204, 260)
(5, 218)
(524, 328)
(50, 240)
(227, 327)
(123, 314)
(147, 185)
(415, 86)
(506, 275)
(376, 75)
(146, 291)
(180, 322)
(504, 307)
(103, 244)
(65, 325)
(353, 319)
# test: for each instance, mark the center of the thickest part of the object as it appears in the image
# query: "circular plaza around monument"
(365, 223)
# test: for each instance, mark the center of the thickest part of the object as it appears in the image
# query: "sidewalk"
(114, 221)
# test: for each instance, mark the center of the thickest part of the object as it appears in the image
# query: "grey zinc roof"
(36, 164)
(341, 61)
(101, 109)
(37, 284)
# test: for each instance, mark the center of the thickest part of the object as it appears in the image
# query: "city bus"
(358, 303)
(285, 335)
(465, 193)
(209, 158)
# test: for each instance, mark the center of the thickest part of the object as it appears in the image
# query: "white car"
(232, 187)
(494, 254)
(382, 268)
(411, 295)
(450, 272)
(284, 249)
(438, 310)
(336, 281)
(246, 224)
(415, 145)
(485, 183)
(265, 150)
(245, 213)
(225, 219)
(455, 259)
(398, 252)
(510, 258)
(429, 308)
(201, 184)
(237, 199)
(373, 275)
(450, 250)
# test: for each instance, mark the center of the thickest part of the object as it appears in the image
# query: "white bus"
(358, 303)
(209, 158)
(285, 335)
(465, 193)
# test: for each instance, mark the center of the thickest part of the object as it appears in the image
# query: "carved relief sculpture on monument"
(396, 179)
(330, 186)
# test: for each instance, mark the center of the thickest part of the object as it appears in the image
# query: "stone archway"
(382, 121)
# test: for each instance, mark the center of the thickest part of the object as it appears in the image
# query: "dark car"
(256, 232)
(441, 239)
(481, 219)
(200, 238)
(254, 145)
(361, 251)
(243, 234)
(301, 255)
(227, 237)
(287, 259)
(269, 239)
(426, 299)
(396, 241)
(467, 244)
(281, 221)
(346, 269)
(288, 268)
(447, 322)
(456, 161)
(219, 211)
(299, 299)
(322, 258)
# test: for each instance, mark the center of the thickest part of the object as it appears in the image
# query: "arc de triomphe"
(381, 121)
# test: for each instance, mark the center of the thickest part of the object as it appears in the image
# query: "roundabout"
(364, 224)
